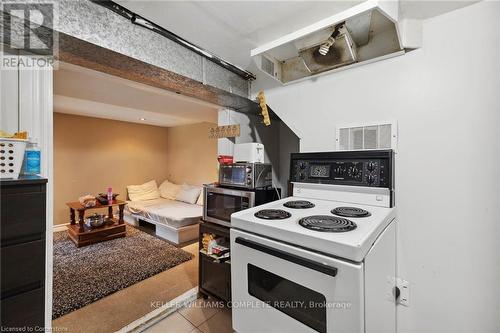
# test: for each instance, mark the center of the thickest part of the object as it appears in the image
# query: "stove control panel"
(359, 168)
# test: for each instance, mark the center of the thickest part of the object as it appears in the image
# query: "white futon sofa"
(175, 210)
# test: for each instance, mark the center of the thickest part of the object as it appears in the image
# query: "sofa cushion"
(169, 190)
(188, 194)
(146, 191)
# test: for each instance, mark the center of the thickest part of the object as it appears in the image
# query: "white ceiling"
(230, 29)
(86, 92)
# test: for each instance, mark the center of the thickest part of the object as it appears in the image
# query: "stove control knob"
(370, 179)
(302, 175)
(371, 166)
(302, 165)
(249, 181)
(249, 169)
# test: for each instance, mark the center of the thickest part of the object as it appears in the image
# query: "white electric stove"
(323, 260)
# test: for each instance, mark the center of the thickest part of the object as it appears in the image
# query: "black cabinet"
(24, 310)
(22, 254)
(214, 276)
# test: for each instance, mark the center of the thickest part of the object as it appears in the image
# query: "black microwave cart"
(214, 274)
(219, 203)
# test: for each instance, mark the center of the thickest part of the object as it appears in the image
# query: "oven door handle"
(325, 269)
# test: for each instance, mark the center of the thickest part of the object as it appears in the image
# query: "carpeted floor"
(87, 274)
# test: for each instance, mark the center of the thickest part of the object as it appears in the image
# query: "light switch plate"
(404, 288)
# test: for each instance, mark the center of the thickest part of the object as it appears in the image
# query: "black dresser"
(22, 233)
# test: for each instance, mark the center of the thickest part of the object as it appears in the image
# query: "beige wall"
(91, 154)
(192, 157)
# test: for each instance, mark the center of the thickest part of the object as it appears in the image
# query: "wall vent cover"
(382, 135)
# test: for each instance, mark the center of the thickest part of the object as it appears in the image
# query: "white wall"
(9, 98)
(35, 116)
(446, 99)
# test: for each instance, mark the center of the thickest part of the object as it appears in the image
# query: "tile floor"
(202, 316)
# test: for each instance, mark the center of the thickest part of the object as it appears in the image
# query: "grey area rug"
(86, 274)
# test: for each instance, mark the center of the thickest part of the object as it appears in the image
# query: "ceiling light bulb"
(142, 119)
(325, 47)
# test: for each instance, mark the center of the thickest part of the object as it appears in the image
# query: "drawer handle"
(322, 268)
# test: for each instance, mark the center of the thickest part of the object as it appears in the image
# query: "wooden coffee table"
(83, 235)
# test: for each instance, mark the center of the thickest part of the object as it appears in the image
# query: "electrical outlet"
(404, 291)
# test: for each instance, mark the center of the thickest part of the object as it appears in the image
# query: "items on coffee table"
(103, 198)
(96, 220)
(87, 201)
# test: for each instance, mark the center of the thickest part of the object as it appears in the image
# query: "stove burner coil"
(299, 204)
(350, 212)
(326, 223)
(272, 214)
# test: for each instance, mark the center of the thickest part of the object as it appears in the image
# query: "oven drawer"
(279, 287)
(216, 277)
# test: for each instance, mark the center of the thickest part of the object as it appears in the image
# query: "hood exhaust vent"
(365, 33)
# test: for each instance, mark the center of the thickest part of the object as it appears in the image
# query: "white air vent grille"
(268, 66)
(367, 136)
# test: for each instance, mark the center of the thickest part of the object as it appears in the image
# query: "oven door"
(220, 203)
(281, 288)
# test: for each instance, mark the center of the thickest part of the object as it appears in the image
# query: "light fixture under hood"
(337, 50)
(364, 33)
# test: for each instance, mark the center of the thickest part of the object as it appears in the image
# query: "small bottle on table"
(110, 195)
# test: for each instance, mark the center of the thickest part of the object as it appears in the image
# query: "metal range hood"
(362, 34)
